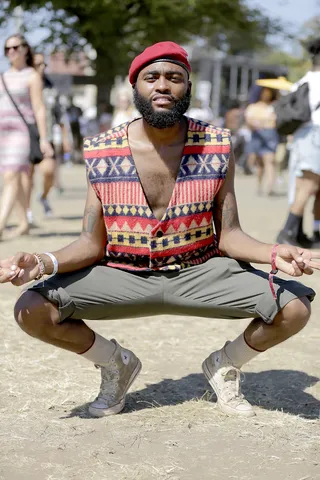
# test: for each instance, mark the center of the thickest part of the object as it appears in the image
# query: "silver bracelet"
(54, 261)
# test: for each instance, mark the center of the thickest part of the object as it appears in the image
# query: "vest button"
(159, 234)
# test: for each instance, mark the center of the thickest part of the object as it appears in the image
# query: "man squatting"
(161, 235)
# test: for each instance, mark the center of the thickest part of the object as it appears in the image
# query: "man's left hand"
(296, 261)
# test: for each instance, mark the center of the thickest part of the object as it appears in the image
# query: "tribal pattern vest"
(184, 236)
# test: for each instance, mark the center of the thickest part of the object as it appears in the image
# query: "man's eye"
(175, 78)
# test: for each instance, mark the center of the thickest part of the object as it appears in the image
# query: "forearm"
(79, 254)
(240, 246)
(40, 115)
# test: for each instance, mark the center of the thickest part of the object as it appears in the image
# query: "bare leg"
(40, 319)
(316, 206)
(316, 221)
(27, 185)
(270, 171)
(308, 185)
(48, 169)
(251, 161)
(58, 161)
(299, 184)
(11, 189)
(259, 173)
(23, 197)
(289, 321)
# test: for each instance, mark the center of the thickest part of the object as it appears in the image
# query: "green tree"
(119, 29)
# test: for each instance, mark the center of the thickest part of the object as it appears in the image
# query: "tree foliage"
(299, 63)
(118, 29)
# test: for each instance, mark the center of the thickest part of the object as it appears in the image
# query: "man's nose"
(163, 85)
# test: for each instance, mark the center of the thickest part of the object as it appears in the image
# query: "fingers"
(315, 253)
(19, 259)
(307, 270)
(8, 275)
(297, 271)
(21, 273)
(312, 264)
(298, 259)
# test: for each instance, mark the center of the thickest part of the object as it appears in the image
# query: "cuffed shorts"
(220, 288)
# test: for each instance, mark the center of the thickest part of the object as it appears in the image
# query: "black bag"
(293, 110)
(36, 155)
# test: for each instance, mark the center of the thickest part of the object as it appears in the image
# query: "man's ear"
(189, 86)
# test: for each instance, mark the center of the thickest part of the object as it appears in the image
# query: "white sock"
(316, 225)
(239, 351)
(101, 350)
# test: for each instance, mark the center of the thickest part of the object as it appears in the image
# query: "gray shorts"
(220, 288)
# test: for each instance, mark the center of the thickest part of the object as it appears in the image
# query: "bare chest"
(158, 174)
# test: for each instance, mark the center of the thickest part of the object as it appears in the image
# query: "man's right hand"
(20, 269)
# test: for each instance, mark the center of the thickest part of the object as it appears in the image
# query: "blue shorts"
(263, 141)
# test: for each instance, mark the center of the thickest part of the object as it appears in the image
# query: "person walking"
(304, 163)
(161, 235)
(75, 115)
(261, 119)
(54, 116)
(25, 87)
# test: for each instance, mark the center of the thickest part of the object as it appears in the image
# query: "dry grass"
(171, 428)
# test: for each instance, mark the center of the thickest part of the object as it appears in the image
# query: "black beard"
(163, 119)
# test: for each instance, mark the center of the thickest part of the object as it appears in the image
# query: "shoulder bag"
(293, 110)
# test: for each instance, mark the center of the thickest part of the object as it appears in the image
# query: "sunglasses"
(41, 64)
(14, 47)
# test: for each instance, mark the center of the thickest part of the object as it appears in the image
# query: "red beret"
(169, 51)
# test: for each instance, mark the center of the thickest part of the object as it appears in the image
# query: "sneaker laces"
(231, 387)
(110, 377)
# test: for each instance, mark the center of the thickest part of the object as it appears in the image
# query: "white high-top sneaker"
(224, 378)
(117, 377)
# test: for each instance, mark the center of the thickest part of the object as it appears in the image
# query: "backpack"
(293, 110)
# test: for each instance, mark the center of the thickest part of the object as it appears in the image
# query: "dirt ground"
(170, 428)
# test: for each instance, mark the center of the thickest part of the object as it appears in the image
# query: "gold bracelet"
(41, 266)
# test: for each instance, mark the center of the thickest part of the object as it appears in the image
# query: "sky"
(293, 13)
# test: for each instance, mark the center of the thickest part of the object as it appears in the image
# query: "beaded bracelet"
(274, 269)
(41, 266)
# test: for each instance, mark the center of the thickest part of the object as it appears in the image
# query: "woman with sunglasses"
(25, 87)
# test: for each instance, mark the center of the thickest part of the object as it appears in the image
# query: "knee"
(34, 314)
(295, 315)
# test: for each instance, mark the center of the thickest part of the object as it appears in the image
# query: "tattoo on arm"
(90, 218)
(227, 214)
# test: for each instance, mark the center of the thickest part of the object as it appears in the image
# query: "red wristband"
(274, 269)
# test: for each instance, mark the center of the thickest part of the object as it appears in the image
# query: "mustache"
(169, 96)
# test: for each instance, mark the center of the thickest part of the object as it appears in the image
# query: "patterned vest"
(184, 236)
